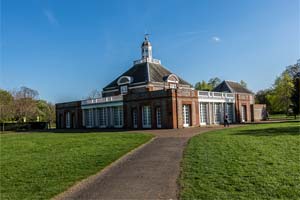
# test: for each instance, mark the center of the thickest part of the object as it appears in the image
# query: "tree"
(243, 83)
(26, 93)
(261, 97)
(6, 106)
(295, 98)
(208, 86)
(94, 94)
(45, 111)
(213, 82)
(25, 104)
(280, 98)
(203, 86)
(294, 72)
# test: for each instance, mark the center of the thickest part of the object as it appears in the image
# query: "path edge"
(84, 182)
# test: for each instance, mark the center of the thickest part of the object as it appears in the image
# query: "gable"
(231, 87)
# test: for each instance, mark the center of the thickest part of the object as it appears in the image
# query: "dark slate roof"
(145, 73)
(231, 87)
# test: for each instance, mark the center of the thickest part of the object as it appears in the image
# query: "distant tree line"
(283, 96)
(23, 105)
(212, 83)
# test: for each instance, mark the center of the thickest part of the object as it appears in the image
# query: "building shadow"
(280, 131)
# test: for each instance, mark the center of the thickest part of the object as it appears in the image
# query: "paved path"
(150, 172)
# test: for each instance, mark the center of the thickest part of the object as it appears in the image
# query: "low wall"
(14, 126)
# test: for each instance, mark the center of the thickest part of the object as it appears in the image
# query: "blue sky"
(66, 48)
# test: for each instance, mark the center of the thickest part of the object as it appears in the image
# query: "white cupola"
(146, 48)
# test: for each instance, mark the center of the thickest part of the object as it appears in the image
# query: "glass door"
(203, 113)
(186, 115)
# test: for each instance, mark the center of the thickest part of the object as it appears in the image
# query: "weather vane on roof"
(147, 36)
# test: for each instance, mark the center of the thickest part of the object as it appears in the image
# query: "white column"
(213, 113)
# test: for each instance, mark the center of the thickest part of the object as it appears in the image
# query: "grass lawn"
(283, 117)
(250, 162)
(41, 165)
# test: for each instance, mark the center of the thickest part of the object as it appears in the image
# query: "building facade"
(149, 96)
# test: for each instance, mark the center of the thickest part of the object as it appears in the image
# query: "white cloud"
(216, 39)
(51, 18)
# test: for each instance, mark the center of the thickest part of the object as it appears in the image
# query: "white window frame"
(124, 89)
(118, 116)
(68, 120)
(186, 115)
(102, 117)
(146, 116)
(158, 117)
(89, 118)
(135, 118)
(203, 110)
(173, 86)
(217, 113)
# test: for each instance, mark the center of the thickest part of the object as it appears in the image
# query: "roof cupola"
(146, 48)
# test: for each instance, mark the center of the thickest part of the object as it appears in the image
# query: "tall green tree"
(280, 98)
(203, 86)
(294, 72)
(6, 106)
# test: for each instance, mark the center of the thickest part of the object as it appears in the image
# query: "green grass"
(41, 165)
(283, 117)
(250, 162)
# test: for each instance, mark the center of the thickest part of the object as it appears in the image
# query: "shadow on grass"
(291, 130)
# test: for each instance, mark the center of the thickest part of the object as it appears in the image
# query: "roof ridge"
(148, 73)
(230, 88)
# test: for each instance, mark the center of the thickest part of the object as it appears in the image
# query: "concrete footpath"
(150, 172)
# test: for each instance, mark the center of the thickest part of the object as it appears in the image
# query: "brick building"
(150, 96)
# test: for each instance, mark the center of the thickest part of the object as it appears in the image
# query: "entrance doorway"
(186, 115)
(244, 113)
(203, 113)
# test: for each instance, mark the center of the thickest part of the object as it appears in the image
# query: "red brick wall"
(243, 100)
(74, 108)
(154, 99)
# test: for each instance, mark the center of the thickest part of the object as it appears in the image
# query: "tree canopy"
(283, 96)
(23, 105)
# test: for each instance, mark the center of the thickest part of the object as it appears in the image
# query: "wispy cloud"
(216, 39)
(51, 17)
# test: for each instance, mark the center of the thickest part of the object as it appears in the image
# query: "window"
(217, 113)
(89, 118)
(158, 117)
(124, 89)
(186, 115)
(68, 120)
(203, 113)
(229, 112)
(173, 86)
(134, 118)
(123, 80)
(118, 117)
(146, 117)
(102, 117)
